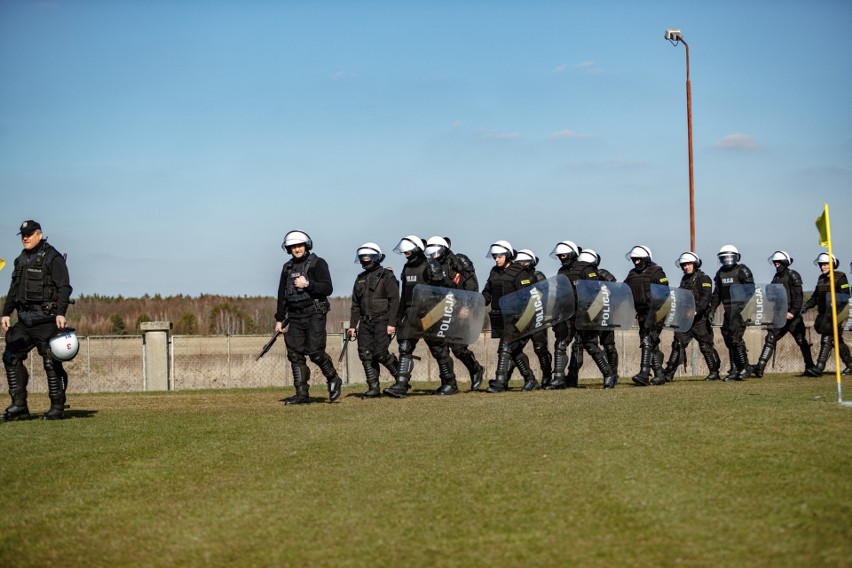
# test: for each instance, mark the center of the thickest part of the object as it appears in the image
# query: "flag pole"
(833, 304)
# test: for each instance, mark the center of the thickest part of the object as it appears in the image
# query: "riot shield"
(762, 305)
(844, 314)
(445, 314)
(604, 305)
(674, 308)
(537, 307)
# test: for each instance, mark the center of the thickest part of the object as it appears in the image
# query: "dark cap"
(28, 227)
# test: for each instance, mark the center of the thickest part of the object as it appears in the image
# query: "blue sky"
(168, 146)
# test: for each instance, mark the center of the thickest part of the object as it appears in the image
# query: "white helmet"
(437, 247)
(823, 259)
(526, 255)
(64, 345)
(411, 244)
(565, 248)
(639, 251)
(687, 257)
(728, 255)
(371, 250)
(590, 256)
(297, 238)
(780, 256)
(501, 248)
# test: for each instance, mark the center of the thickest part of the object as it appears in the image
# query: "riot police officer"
(506, 277)
(823, 322)
(303, 305)
(644, 273)
(731, 273)
(375, 306)
(792, 282)
(606, 337)
(460, 274)
(526, 257)
(40, 292)
(418, 269)
(701, 287)
(566, 252)
(584, 268)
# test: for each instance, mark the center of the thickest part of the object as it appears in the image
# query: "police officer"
(566, 252)
(375, 306)
(606, 337)
(527, 258)
(460, 274)
(301, 315)
(584, 268)
(40, 292)
(731, 273)
(701, 287)
(644, 273)
(792, 282)
(822, 324)
(506, 277)
(418, 269)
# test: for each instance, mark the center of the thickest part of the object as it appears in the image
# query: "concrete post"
(155, 355)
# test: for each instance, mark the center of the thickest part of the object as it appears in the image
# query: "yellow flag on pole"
(2, 263)
(822, 227)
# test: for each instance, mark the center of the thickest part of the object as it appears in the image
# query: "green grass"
(699, 474)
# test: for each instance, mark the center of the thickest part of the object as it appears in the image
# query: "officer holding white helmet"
(644, 273)
(506, 277)
(701, 287)
(40, 292)
(731, 273)
(375, 307)
(418, 269)
(792, 282)
(822, 324)
(461, 275)
(303, 305)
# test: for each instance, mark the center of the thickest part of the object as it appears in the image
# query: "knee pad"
(406, 347)
(11, 359)
(295, 358)
(318, 357)
(365, 354)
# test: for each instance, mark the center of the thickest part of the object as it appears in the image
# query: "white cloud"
(488, 135)
(560, 68)
(588, 67)
(567, 134)
(737, 142)
(342, 75)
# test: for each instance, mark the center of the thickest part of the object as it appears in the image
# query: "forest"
(191, 315)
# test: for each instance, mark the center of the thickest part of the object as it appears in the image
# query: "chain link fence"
(115, 363)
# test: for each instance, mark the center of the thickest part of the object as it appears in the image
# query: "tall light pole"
(675, 37)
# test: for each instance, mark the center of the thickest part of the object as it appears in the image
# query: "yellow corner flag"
(822, 227)
(2, 263)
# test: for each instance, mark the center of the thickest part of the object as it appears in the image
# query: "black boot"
(675, 357)
(332, 379)
(807, 358)
(825, 346)
(609, 378)
(372, 376)
(560, 361)
(17, 378)
(763, 360)
(572, 378)
(545, 362)
(643, 377)
(742, 362)
(301, 376)
(612, 357)
(713, 361)
(477, 373)
(448, 377)
(733, 371)
(522, 362)
(500, 382)
(400, 387)
(55, 389)
(845, 357)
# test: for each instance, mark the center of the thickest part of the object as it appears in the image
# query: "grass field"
(757, 473)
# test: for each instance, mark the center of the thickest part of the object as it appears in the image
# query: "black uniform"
(701, 287)
(733, 327)
(792, 282)
(418, 269)
(40, 291)
(564, 332)
(823, 325)
(375, 306)
(639, 279)
(306, 310)
(460, 274)
(607, 336)
(586, 339)
(502, 281)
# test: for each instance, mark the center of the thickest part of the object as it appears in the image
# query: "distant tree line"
(191, 315)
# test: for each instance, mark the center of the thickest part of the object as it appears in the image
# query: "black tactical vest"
(34, 287)
(293, 295)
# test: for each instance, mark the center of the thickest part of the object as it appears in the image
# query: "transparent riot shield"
(844, 314)
(445, 314)
(537, 307)
(760, 304)
(604, 305)
(674, 308)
